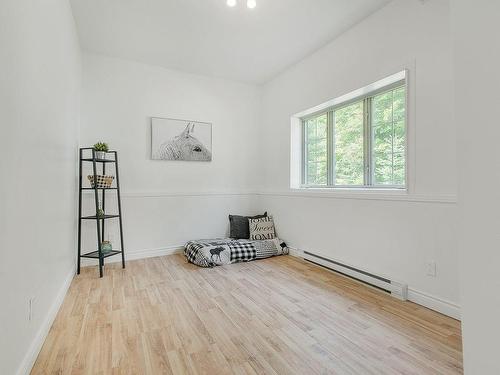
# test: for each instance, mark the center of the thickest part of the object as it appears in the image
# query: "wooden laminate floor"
(275, 316)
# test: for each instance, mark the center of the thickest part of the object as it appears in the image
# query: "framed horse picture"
(173, 139)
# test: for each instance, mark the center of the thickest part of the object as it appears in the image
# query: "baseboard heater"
(395, 288)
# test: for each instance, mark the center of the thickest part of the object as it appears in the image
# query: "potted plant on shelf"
(100, 213)
(100, 150)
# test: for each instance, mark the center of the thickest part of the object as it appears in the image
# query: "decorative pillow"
(262, 229)
(238, 226)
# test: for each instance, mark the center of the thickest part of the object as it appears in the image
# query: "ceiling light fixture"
(251, 4)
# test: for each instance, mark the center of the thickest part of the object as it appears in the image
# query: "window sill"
(355, 190)
(363, 194)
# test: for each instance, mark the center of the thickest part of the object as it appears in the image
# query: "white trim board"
(37, 343)
(438, 304)
(159, 194)
(363, 194)
(175, 194)
(137, 254)
(338, 193)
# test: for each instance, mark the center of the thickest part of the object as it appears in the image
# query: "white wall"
(391, 237)
(167, 203)
(477, 77)
(40, 76)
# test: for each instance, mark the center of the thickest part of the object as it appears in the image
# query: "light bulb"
(251, 4)
(231, 3)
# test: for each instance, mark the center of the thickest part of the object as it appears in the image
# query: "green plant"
(101, 146)
(100, 212)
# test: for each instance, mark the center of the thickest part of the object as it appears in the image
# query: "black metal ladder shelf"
(99, 219)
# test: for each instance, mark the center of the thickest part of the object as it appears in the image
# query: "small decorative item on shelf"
(100, 212)
(103, 182)
(100, 150)
(106, 247)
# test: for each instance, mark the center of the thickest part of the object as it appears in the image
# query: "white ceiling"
(207, 37)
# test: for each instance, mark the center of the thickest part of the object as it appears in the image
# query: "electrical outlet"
(430, 268)
(31, 308)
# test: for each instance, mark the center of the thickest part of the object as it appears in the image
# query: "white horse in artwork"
(184, 147)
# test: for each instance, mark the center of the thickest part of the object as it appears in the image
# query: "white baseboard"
(37, 343)
(138, 254)
(296, 252)
(434, 303)
(151, 253)
(438, 304)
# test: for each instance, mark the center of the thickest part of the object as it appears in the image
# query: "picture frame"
(181, 140)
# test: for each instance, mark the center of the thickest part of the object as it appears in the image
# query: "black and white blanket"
(219, 251)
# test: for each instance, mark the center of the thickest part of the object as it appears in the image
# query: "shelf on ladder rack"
(100, 160)
(91, 188)
(95, 254)
(99, 217)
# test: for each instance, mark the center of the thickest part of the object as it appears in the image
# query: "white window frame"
(366, 95)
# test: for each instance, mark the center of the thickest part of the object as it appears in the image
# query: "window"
(359, 142)
(316, 150)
